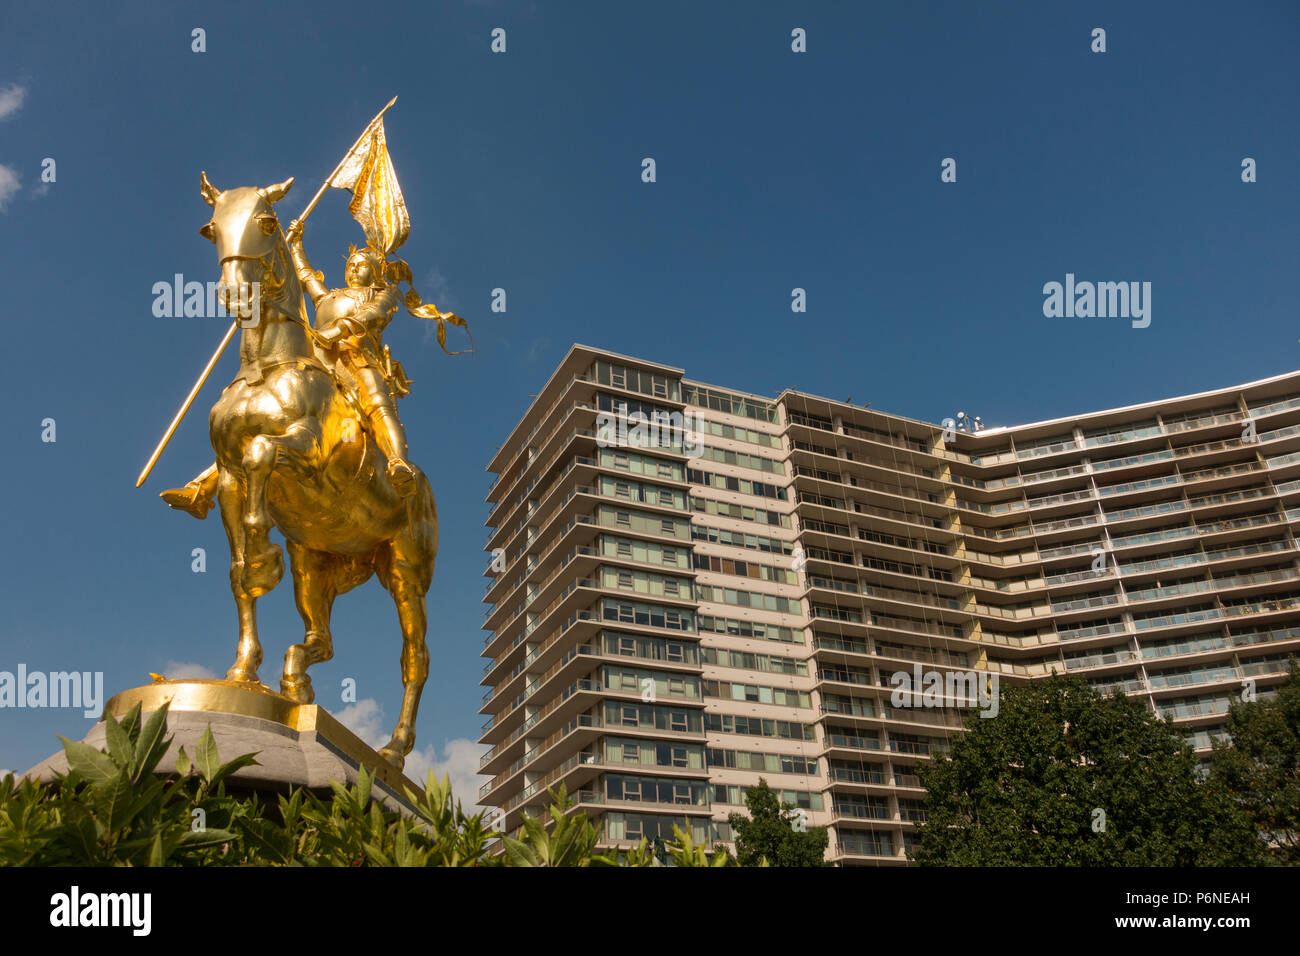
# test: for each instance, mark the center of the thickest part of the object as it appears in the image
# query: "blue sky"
(522, 171)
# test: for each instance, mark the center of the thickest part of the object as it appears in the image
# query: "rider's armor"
(349, 328)
(352, 322)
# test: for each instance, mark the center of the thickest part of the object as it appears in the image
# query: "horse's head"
(246, 232)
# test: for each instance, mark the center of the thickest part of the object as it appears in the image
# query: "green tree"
(769, 833)
(1259, 769)
(1065, 777)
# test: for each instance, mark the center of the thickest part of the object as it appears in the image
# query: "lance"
(230, 332)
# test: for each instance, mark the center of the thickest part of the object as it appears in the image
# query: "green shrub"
(112, 809)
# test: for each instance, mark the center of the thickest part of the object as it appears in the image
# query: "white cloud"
(184, 670)
(460, 762)
(364, 719)
(11, 100)
(9, 184)
(534, 350)
(435, 288)
(459, 758)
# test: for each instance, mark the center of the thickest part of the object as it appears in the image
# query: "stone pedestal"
(296, 744)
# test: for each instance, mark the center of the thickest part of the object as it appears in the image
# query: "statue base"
(296, 744)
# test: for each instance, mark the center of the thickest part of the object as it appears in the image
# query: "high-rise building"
(693, 587)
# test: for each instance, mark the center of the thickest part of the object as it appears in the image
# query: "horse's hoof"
(398, 746)
(298, 689)
(242, 675)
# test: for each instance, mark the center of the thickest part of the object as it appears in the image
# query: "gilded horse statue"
(294, 453)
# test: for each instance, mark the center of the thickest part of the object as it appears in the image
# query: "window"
(629, 716)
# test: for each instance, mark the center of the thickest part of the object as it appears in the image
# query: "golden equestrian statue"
(307, 437)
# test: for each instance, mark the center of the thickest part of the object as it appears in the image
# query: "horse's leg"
(248, 656)
(263, 558)
(298, 448)
(409, 599)
(407, 578)
(314, 590)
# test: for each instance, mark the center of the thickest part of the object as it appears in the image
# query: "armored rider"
(350, 324)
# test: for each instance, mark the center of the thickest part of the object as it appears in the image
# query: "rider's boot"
(391, 437)
(197, 496)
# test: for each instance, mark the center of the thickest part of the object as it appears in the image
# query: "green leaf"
(182, 762)
(92, 766)
(120, 748)
(364, 780)
(519, 854)
(131, 723)
(193, 839)
(274, 843)
(80, 835)
(342, 796)
(205, 755)
(377, 856)
(231, 766)
(151, 746)
(135, 801)
(114, 800)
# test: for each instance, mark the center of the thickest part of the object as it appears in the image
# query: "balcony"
(1101, 660)
(850, 742)
(860, 846)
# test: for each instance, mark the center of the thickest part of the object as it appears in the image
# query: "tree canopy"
(1259, 771)
(773, 831)
(1065, 777)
